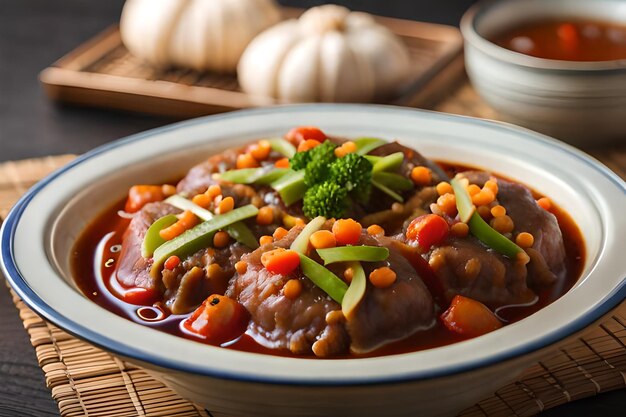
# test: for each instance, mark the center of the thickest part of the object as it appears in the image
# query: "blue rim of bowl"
(21, 287)
(469, 29)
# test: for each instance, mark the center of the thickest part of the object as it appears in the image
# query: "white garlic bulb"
(328, 54)
(198, 34)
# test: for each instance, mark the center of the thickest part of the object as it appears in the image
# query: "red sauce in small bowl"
(566, 40)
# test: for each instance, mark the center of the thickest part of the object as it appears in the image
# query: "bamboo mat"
(86, 381)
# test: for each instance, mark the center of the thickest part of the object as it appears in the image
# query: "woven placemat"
(86, 381)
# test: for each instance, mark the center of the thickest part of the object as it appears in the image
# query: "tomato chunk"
(469, 317)
(427, 230)
(140, 195)
(218, 320)
(302, 133)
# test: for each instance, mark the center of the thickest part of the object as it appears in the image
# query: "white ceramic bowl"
(581, 102)
(39, 233)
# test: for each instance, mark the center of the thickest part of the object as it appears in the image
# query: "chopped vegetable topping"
(347, 231)
(389, 162)
(545, 203)
(283, 147)
(218, 320)
(393, 181)
(140, 195)
(265, 216)
(356, 290)
(238, 231)
(322, 277)
(262, 176)
(375, 230)
(421, 176)
(280, 261)
(345, 149)
(427, 230)
(221, 239)
(328, 199)
(323, 239)
(299, 134)
(301, 243)
(498, 211)
(469, 317)
(353, 253)
(383, 277)
(153, 238)
(260, 150)
(525, 240)
(290, 186)
(292, 289)
(308, 145)
(185, 222)
(200, 236)
(172, 262)
(366, 145)
(266, 240)
(463, 201)
(245, 160)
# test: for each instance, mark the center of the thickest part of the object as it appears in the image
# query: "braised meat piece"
(313, 322)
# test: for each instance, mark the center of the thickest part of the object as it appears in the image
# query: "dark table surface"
(33, 34)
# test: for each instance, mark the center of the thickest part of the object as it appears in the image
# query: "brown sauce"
(98, 248)
(566, 40)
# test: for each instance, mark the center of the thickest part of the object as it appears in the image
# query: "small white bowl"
(38, 235)
(583, 103)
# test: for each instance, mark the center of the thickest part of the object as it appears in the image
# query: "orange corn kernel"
(483, 197)
(459, 229)
(241, 267)
(447, 204)
(308, 144)
(202, 200)
(292, 289)
(260, 150)
(347, 231)
(282, 163)
(280, 233)
(444, 188)
(498, 211)
(421, 175)
(503, 224)
(264, 240)
(525, 240)
(213, 191)
(246, 160)
(545, 203)
(382, 277)
(172, 262)
(221, 239)
(265, 216)
(226, 205)
(375, 230)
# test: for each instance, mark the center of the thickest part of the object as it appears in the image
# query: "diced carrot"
(265, 216)
(213, 191)
(187, 221)
(323, 239)
(427, 230)
(226, 205)
(241, 267)
(280, 261)
(421, 175)
(221, 239)
(218, 320)
(203, 200)
(347, 231)
(469, 317)
(308, 144)
(545, 203)
(171, 262)
(282, 163)
(260, 150)
(140, 195)
(375, 230)
(266, 240)
(302, 133)
(280, 233)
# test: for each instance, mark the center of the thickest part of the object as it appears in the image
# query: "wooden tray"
(86, 381)
(102, 73)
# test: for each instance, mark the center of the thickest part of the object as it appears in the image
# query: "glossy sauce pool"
(97, 251)
(566, 40)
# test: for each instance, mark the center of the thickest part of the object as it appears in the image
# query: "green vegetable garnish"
(261, 176)
(290, 186)
(301, 243)
(283, 147)
(353, 253)
(238, 231)
(464, 203)
(388, 191)
(480, 228)
(393, 181)
(366, 145)
(354, 173)
(201, 236)
(327, 199)
(153, 239)
(356, 290)
(373, 158)
(330, 283)
(389, 162)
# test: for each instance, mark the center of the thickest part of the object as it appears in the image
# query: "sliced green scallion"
(238, 231)
(201, 236)
(356, 290)
(366, 145)
(387, 191)
(290, 186)
(393, 181)
(480, 228)
(301, 243)
(283, 147)
(353, 253)
(261, 176)
(389, 162)
(153, 239)
(322, 277)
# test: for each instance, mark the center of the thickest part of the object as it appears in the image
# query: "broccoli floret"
(354, 172)
(300, 160)
(327, 199)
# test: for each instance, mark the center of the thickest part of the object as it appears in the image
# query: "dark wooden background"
(33, 34)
